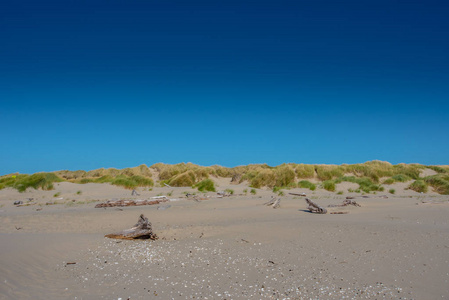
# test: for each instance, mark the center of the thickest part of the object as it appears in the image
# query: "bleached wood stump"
(142, 230)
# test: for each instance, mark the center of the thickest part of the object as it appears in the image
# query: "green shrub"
(340, 193)
(206, 185)
(253, 191)
(392, 191)
(305, 184)
(57, 194)
(329, 185)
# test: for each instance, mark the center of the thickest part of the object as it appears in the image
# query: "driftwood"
(274, 202)
(347, 202)
(315, 208)
(122, 203)
(142, 230)
(339, 213)
(295, 194)
(134, 193)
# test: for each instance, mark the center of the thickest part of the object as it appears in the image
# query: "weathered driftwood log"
(295, 194)
(347, 202)
(128, 202)
(274, 202)
(142, 230)
(315, 208)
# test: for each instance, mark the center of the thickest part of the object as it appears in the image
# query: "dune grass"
(419, 186)
(206, 185)
(307, 185)
(329, 185)
(439, 183)
(367, 175)
(22, 182)
(365, 184)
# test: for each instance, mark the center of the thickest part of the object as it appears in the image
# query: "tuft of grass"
(79, 192)
(170, 193)
(245, 191)
(439, 182)
(229, 191)
(340, 193)
(206, 185)
(401, 178)
(419, 186)
(57, 194)
(392, 191)
(276, 189)
(329, 185)
(187, 178)
(307, 185)
(388, 181)
(365, 184)
(281, 193)
(253, 191)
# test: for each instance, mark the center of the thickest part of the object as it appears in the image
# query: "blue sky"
(90, 84)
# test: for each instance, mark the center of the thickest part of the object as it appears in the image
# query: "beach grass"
(307, 185)
(206, 185)
(419, 186)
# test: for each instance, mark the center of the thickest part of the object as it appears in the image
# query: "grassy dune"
(370, 176)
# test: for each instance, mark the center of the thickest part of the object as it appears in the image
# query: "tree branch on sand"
(142, 230)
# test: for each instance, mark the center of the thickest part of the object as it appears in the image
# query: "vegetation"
(329, 185)
(365, 183)
(253, 191)
(392, 191)
(206, 185)
(439, 182)
(21, 182)
(368, 175)
(57, 194)
(229, 191)
(419, 186)
(307, 185)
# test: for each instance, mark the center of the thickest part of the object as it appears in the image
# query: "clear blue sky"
(90, 84)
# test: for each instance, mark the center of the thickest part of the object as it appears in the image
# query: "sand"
(224, 248)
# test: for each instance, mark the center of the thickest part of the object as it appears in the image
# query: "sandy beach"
(392, 247)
